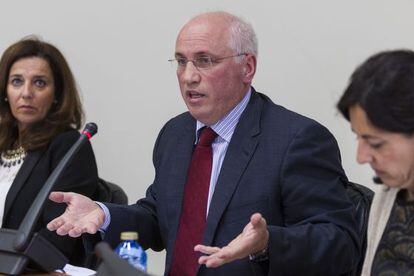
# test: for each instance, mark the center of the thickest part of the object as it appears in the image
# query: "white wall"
(118, 51)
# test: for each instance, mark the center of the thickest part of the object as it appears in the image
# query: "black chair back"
(361, 197)
(110, 192)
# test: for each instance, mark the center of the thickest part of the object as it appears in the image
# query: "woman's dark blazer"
(80, 176)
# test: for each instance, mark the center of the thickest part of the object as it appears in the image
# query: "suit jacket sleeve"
(318, 237)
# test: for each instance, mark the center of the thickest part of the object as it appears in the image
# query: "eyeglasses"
(201, 63)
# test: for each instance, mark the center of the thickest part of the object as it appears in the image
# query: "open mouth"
(195, 95)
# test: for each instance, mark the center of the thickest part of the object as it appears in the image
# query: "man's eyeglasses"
(201, 62)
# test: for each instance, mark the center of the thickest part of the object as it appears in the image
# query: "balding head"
(239, 34)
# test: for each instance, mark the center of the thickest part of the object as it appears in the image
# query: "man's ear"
(249, 68)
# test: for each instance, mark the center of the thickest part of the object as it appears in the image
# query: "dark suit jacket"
(80, 176)
(278, 163)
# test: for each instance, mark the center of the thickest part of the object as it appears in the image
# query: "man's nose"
(190, 73)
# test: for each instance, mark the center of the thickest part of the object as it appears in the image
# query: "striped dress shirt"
(224, 128)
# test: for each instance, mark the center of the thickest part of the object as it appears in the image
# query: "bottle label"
(133, 257)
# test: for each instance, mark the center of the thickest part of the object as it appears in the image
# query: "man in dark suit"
(275, 200)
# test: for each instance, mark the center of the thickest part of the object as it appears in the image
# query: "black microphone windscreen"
(91, 129)
(377, 180)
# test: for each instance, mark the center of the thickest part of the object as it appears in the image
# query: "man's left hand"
(253, 239)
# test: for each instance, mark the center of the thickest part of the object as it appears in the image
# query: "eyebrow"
(366, 136)
(198, 54)
(369, 137)
(35, 76)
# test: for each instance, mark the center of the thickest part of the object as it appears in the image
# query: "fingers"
(215, 256)
(56, 197)
(215, 262)
(211, 261)
(55, 224)
(90, 228)
(64, 226)
(256, 219)
(262, 234)
(221, 257)
(61, 197)
(72, 230)
(64, 229)
(75, 232)
(206, 249)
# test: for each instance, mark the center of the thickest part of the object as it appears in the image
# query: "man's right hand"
(82, 215)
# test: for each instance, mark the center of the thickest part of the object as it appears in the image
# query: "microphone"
(377, 180)
(18, 246)
(26, 227)
(90, 130)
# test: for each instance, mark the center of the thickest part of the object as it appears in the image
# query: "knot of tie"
(207, 137)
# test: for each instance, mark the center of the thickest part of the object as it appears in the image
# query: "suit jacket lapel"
(30, 161)
(180, 160)
(241, 148)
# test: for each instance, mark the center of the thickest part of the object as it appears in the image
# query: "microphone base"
(41, 252)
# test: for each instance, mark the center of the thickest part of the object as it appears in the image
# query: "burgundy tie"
(194, 209)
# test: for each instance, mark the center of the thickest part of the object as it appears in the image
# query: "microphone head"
(90, 130)
(377, 180)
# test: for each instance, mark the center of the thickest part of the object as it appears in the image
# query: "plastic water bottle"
(130, 250)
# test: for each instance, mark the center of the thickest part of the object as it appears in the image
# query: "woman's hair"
(383, 86)
(66, 111)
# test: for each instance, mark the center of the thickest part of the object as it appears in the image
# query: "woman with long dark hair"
(40, 115)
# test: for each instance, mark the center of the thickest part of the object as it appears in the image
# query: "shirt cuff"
(107, 220)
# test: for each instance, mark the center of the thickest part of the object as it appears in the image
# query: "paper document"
(76, 270)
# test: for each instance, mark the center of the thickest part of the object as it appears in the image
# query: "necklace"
(12, 157)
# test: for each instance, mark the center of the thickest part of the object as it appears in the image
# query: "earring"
(55, 101)
(6, 100)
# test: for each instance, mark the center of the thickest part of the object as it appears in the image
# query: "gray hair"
(242, 38)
